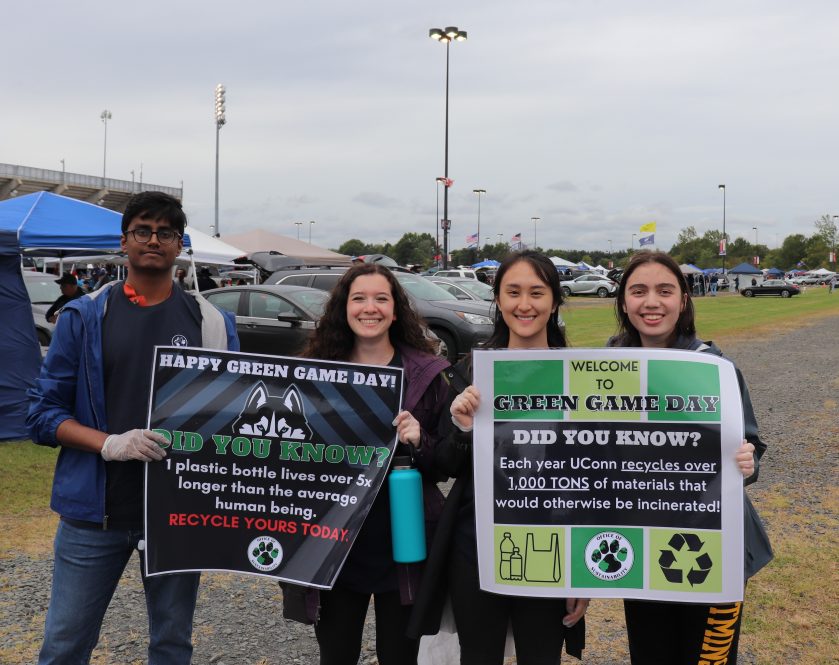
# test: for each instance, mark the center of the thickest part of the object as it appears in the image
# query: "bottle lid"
(402, 462)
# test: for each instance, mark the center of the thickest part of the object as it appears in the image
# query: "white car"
(596, 285)
(460, 272)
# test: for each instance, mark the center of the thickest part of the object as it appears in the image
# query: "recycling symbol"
(689, 545)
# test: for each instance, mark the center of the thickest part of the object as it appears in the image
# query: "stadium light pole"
(479, 192)
(104, 117)
(724, 240)
(220, 122)
(632, 243)
(440, 180)
(446, 36)
(311, 221)
(299, 224)
(534, 220)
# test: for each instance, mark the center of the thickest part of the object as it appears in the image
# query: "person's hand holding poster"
(611, 473)
(272, 464)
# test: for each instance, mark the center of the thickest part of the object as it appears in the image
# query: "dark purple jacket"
(425, 397)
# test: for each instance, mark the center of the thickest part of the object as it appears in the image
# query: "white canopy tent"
(207, 249)
(562, 263)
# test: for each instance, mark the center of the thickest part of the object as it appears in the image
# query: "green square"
(606, 558)
(528, 377)
(684, 381)
(685, 560)
(616, 376)
(529, 556)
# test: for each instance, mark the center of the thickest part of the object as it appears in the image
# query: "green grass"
(590, 324)
(25, 477)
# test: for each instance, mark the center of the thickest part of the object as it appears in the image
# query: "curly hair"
(546, 272)
(334, 339)
(627, 333)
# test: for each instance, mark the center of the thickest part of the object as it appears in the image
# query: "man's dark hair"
(154, 207)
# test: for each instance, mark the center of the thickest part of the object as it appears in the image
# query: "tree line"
(797, 251)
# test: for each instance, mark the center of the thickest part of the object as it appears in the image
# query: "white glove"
(139, 444)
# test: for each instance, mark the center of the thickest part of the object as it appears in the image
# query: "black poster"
(272, 463)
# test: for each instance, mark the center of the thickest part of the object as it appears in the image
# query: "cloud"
(376, 200)
(563, 186)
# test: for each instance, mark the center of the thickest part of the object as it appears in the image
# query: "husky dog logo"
(272, 416)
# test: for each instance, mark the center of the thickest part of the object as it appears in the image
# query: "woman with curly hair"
(369, 320)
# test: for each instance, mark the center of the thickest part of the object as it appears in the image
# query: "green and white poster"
(610, 473)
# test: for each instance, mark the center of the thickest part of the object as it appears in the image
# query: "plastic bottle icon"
(515, 565)
(507, 546)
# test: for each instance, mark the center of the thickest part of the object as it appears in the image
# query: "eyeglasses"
(143, 235)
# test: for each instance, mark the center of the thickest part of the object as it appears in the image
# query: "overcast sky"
(596, 116)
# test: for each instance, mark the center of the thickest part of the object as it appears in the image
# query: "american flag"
(516, 238)
(448, 182)
(472, 240)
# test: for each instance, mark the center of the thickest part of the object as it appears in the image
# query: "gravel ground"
(238, 620)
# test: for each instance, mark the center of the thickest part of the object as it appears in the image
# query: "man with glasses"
(91, 399)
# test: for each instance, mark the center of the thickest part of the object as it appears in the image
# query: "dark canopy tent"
(745, 269)
(41, 224)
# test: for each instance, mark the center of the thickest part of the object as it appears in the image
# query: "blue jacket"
(72, 385)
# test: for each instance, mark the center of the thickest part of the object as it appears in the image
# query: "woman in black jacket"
(527, 297)
(654, 310)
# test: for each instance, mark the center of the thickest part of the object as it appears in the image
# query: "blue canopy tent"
(40, 224)
(774, 272)
(488, 263)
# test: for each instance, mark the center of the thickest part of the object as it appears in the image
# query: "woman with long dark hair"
(527, 297)
(369, 320)
(654, 310)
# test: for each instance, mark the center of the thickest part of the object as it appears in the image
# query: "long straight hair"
(546, 272)
(686, 323)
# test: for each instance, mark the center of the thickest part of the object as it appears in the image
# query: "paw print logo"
(609, 556)
(180, 340)
(265, 553)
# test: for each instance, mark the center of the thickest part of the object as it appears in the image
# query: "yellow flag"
(648, 228)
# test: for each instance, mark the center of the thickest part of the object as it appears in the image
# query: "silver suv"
(596, 285)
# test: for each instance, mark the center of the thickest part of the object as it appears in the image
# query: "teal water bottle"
(407, 518)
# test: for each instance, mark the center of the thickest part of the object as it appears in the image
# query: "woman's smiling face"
(526, 303)
(653, 303)
(370, 307)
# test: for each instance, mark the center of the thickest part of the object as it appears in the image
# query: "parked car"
(772, 287)
(459, 325)
(460, 272)
(43, 292)
(463, 288)
(324, 278)
(270, 318)
(589, 285)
